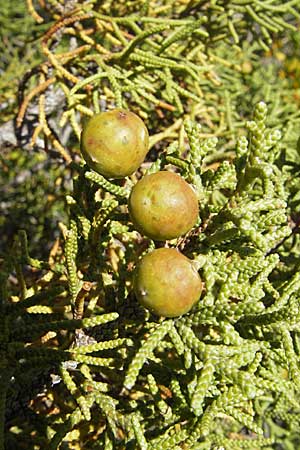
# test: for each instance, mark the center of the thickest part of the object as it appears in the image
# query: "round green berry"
(167, 283)
(163, 206)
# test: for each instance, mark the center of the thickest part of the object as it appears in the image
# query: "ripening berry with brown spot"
(114, 143)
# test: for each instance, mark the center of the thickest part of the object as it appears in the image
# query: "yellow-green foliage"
(84, 365)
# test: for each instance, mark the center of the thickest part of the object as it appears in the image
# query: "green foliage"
(233, 355)
(19, 52)
(32, 188)
(84, 365)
